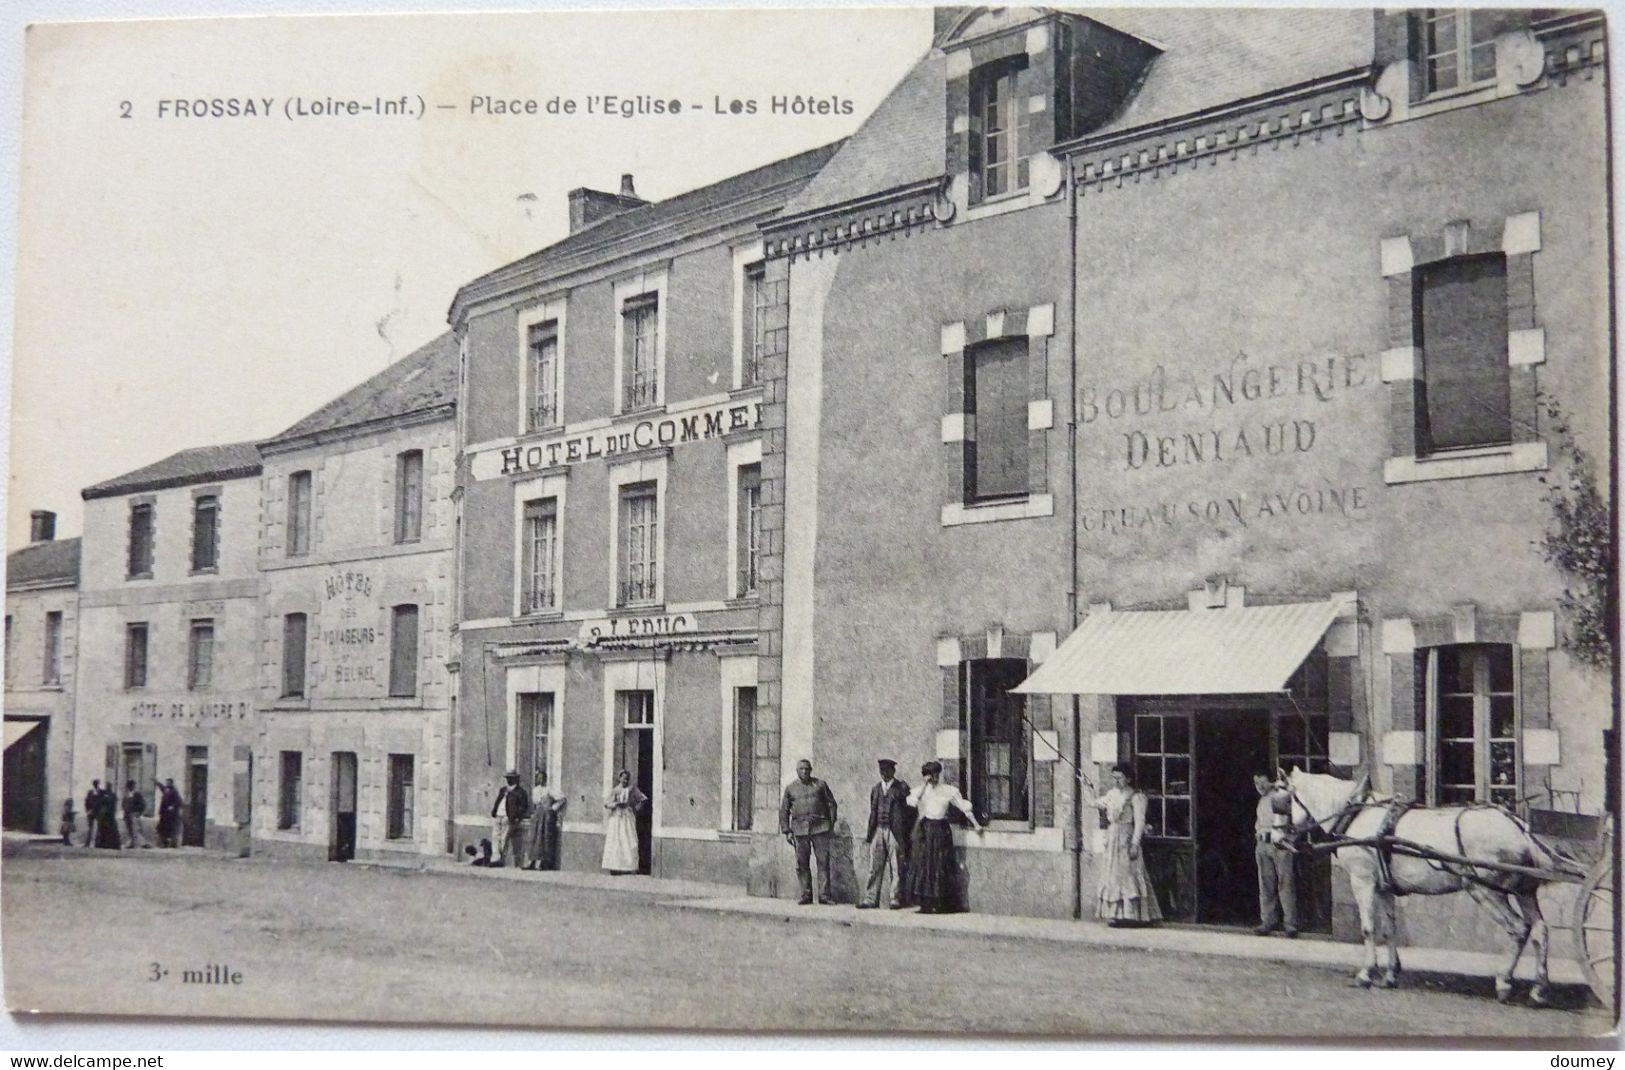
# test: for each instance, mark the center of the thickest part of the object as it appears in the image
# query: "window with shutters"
(542, 351)
(744, 756)
(298, 533)
(1460, 320)
(1472, 696)
(409, 496)
(205, 533)
(640, 341)
(200, 655)
(290, 789)
(53, 649)
(403, 652)
(997, 166)
(135, 655)
(758, 300)
(996, 725)
(532, 735)
(140, 548)
(748, 530)
(402, 799)
(1457, 49)
(539, 559)
(294, 638)
(996, 396)
(639, 545)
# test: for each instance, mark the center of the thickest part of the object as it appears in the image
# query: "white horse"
(1478, 833)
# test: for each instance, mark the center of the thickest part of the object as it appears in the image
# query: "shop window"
(52, 674)
(640, 373)
(996, 396)
(294, 635)
(205, 533)
(140, 548)
(402, 801)
(298, 514)
(532, 734)
(538, 589)
(639, 545)
(753, 324)
(997, 166)
(744, 770)
(1162, 770)
(403, 652)
(1458, 50)
(409, 496)
(200, 655)
(1460, 319)
(290, 789)
(135, 655)
(542, 351)
(999, 743)
(749, 529)
(1474, 719)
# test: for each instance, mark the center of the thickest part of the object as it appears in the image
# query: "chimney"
(41, 526)
(589, 206)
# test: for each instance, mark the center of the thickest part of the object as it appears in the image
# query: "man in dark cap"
(890, 818)
(516, 806)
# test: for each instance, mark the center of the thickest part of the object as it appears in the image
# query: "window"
(744, 770)
(538, 589)
(637, 708)
(140, 541)
(996, 396)
(294, 631)
(200, 655)
(753, 347)
(532, 734)
(53, 648)
(135, 655)
(290, 785)
(1457, 50)
(399, 811)
(298, 514)
(133, 766)
(997, 166)
(749, 524)
(640, 321)
(409, 496)
(205, 533)
(1475, 719)
(403, 652)
(1461, 323)
(542, 345)
(1162, 770)
(999, 749)
(640, 541)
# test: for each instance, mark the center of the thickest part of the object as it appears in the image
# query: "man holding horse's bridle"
(1277, 892)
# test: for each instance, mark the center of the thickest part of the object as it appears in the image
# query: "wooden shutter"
(149, 769)
(1464, 352)
(110, 777)
(1000, 405)
(403, 652)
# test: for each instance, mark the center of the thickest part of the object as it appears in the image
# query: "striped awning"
(16, 730)
(1244, 650)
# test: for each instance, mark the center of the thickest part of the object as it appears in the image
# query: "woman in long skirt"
(1125, 895)
(545, 806)
(621, 825)
(932, 871)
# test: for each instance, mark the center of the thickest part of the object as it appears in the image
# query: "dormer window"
(997, 164)
(1458, 50)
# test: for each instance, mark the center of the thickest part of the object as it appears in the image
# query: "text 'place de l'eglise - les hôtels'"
(1227, 369)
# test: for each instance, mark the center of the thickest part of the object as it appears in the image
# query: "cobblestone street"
(367, 943)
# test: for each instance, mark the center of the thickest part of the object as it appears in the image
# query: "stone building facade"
(168, 614)
(353, 736)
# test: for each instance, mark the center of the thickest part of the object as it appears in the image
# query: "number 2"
(124, 113)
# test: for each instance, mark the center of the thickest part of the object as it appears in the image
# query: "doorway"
(637, 755)
(194, 828)
(1231, 745)
(24, 785)
(341, 845)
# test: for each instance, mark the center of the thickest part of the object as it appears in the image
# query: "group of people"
(102, 808)
(524, 826)
(910, 837)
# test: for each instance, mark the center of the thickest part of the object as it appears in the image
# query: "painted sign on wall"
(619, 439)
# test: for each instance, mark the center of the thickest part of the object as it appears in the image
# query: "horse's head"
(1317, 797)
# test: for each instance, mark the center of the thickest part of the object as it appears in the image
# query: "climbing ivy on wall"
(1579, 541)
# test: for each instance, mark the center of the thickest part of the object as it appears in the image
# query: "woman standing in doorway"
(1126, 896)
(932, 870)
(545, 806)
(621, 825)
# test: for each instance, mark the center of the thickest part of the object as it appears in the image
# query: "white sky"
(189, 281)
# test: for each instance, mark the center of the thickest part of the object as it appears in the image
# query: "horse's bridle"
(1333, 825)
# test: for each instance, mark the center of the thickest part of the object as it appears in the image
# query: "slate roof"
(44, 564)
(421, 381)
(200, 464)
(749, 197)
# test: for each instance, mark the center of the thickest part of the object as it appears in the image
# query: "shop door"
(197, 796)
(24, 800)
(1160, 743)
(1231, 745)
(341, 846)
(637, 746)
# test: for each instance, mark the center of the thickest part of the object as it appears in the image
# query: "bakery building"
(613, 522)
(42, 657)
(352, 744)
(168, 596)
(1233, 345)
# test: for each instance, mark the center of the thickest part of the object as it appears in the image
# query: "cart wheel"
(1594, 934)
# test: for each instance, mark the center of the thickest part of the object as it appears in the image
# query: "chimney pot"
(626, 187)
(41, 525)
